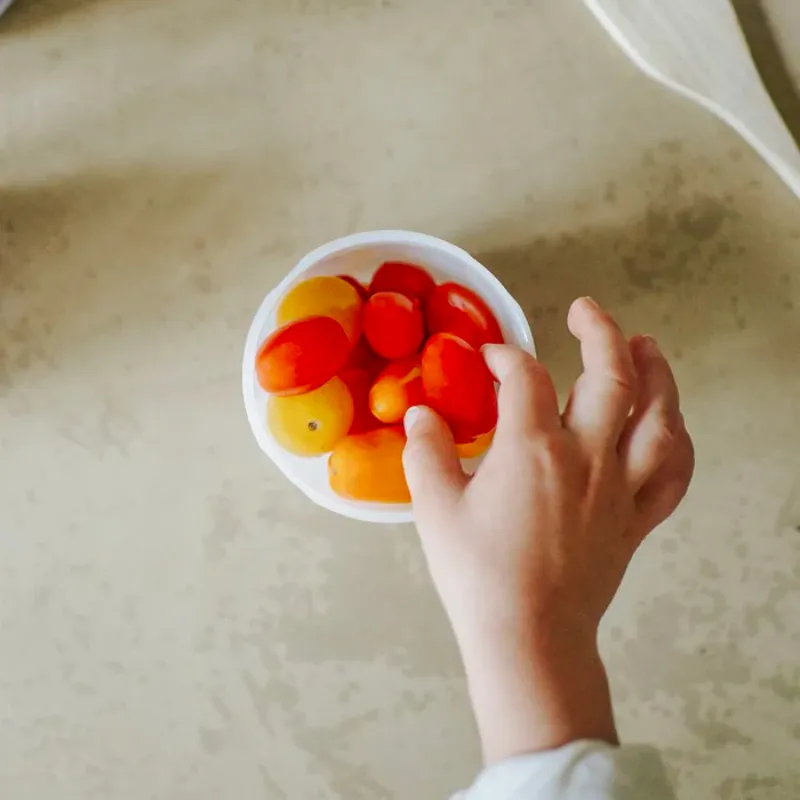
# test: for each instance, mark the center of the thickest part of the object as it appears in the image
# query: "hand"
(528, 553)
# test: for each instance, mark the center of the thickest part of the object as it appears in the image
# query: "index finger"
(527, 401)
(603, 395)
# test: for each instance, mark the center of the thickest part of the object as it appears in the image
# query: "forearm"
(538, 692)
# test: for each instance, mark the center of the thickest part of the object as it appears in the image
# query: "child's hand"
(529, 552)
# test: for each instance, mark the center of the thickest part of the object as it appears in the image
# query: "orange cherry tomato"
(459, 386)
(324, 296)
(363, 291)
(407, 279)
(396, 389)
(452, 308)
(358, 382)
(369, 467)
(477, 447)
(311, 424)
(301, 356)
(393, 325)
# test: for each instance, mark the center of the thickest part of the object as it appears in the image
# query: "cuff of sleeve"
(589, 770)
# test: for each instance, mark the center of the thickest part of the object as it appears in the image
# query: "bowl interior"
(360, 256)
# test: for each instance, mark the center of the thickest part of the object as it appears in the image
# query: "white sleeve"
(579, 771)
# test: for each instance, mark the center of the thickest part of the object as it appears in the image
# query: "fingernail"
(651, 345)
(491, 354)
(590, 302)
(411, 418)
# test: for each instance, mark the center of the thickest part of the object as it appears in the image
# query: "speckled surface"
(175, 621)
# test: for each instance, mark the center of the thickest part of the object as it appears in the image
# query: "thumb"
(433, 470)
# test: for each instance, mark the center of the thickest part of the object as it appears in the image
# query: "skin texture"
(529, 552)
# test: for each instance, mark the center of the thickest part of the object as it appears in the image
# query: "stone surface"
(175, 620)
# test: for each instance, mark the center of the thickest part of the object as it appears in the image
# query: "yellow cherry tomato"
(311, 424)
(324, 296)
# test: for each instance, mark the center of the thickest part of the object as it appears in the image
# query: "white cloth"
(579, 771)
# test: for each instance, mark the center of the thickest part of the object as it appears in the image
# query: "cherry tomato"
(302, 355)
(363, 291)
(364, 357)
(407, 279)
(369, 467)
(459, 386)
(477, 447)
(323, 296)
(358, 381)
(393, 325)
(311, 424)
(452, 308)
(396, 389)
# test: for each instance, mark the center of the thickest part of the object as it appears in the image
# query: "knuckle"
(526, 370)
(687, 454)
(661, 436)
(548, 449)
(554, 448)
(624, 382)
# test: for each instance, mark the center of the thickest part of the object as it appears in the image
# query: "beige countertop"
(176, 621)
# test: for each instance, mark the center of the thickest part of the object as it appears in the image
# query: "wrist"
(537, 689)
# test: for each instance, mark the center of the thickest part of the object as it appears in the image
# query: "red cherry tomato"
(459, 386)
(407, 279)
(358, 381)
(302, 355)
(362, 290)
(363, 357)
(452, 308)
(393, 325)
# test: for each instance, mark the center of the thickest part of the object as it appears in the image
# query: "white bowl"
(360, 255)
